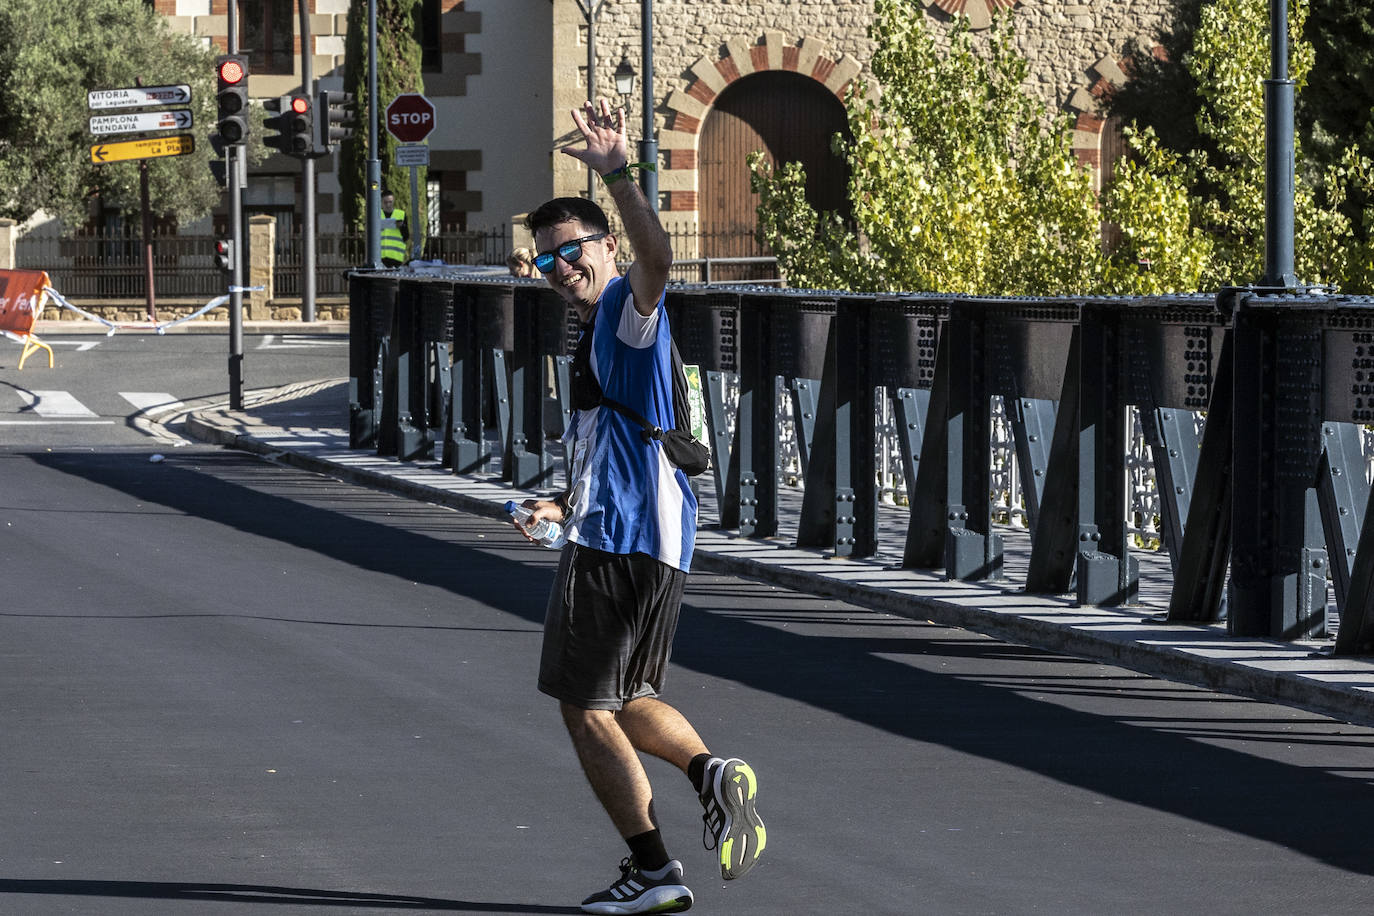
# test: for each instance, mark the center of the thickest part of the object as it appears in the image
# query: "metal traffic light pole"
(234, 167)
(307, 184)
(374, 167)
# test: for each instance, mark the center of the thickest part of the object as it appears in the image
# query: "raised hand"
(607, 148)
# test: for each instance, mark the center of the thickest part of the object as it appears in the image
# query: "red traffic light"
(231, 71)
(300, 104)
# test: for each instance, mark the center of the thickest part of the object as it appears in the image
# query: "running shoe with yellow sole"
(732, 826)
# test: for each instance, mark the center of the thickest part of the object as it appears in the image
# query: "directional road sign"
(136, 96)
(151, 148)
(174, 119)
(410, 117)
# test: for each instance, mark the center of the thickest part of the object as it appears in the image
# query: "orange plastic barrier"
(21, 301)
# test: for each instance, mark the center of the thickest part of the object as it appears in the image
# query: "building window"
(267, 34)
(431, 38)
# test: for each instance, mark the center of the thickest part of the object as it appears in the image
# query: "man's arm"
(607, 151)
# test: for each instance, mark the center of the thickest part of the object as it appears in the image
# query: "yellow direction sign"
(152, 148)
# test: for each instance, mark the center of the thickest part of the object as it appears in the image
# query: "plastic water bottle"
(545, 531)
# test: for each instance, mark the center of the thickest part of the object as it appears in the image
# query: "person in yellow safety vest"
(395, 234)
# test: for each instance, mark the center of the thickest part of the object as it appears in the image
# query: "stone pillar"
(262, 248)
(9, 236)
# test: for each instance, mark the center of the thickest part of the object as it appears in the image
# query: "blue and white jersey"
(626, 497)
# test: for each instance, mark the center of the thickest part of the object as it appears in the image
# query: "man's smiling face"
(581, 281)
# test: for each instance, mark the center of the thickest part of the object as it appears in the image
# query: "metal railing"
(1223, 434)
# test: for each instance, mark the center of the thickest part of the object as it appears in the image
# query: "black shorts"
(609, 628)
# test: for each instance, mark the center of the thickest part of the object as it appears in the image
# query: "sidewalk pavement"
(306, 426)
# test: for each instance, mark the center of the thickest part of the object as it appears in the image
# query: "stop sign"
(410, 117)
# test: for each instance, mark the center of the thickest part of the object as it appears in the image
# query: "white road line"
(151, 402)
(56, 405)
(300, 342)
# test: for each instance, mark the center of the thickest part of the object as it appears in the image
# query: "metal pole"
(307, 179)
(234, 168)
(648, 143)
(1278, 168)
(592, 7)
(374, 166)
(147, 214)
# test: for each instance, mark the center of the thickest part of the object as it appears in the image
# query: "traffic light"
(232, 72)
(224, 254)
(335, 117)
(219, 166)
(294, 126)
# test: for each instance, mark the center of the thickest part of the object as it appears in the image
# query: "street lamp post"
(648, 145)
(1279, 271)
(589, 10)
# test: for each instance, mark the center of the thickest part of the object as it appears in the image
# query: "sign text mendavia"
(134, 96)
(174, 119)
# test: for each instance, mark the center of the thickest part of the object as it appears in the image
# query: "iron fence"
(109, 264)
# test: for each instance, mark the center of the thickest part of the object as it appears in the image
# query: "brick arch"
(689, 104)
(1092, 135)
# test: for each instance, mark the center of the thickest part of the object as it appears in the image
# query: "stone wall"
(1074, 50)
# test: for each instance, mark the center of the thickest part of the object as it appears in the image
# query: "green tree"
(398, 71)
(959, 180)
(1229, 61)
(961, 183)
(51, 55)
(1336, 107)
(1204, 101)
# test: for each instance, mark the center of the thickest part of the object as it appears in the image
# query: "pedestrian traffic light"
(293, 127)
(224, 254)
(232, 98)
(335, 117)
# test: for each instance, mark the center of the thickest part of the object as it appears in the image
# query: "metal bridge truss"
(1229, 432)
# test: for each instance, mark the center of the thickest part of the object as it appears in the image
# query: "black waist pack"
(684, 450)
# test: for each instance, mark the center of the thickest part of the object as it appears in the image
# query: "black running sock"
(696, 770)
(647, 849)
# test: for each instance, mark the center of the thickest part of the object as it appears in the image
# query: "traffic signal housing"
(293, 127)
(219, 167)
(231, 71)
(335, 119)
(224, 254)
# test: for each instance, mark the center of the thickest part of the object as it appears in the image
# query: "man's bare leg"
(656, 728)
(613, 768)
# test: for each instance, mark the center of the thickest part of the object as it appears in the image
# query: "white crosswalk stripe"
(51, 406)
(57, 405)
(151, 402)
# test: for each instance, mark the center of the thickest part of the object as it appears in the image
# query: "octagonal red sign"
(410, 117)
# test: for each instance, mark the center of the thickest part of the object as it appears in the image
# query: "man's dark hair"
(562, 209)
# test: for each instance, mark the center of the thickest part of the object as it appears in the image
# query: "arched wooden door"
(792, 119)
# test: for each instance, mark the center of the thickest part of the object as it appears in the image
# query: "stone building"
(729, 76)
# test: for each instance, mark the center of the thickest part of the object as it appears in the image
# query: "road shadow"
(264, 894)
(1159, 763)
(846, 663)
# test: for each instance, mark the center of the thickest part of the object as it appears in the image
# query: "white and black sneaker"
(732, 827)
(660, 891)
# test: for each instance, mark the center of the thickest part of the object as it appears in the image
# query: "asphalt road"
(99, 385)
(233, 687)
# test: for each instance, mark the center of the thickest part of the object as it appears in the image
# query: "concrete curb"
(50, 328)
(1294, 674)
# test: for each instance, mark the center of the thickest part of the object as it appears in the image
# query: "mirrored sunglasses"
(568, 251)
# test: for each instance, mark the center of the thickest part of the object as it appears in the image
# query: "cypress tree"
(398, 71)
